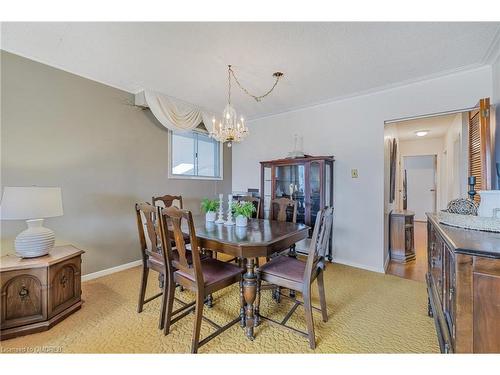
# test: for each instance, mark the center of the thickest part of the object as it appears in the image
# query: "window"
(195, 155)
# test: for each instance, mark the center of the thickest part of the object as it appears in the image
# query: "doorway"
(426, 160)
(420, 173)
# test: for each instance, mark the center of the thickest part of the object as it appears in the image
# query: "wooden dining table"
(260, 238)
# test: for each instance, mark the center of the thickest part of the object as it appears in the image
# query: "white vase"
(490, 203)
(241, 221)
(210, 216)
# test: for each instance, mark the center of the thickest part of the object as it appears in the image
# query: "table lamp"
(32, 204)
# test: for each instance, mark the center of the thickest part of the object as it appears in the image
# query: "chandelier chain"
(257, 98)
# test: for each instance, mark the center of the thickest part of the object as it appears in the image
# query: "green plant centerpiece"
(243, 211)
(209, 207)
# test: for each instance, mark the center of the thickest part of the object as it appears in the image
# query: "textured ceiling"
(437, 127)
(321, 61)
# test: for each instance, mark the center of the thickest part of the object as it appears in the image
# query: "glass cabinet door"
(290, 183)
(267, 191)
(315, 190)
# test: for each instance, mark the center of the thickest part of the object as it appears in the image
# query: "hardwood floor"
(414, 270)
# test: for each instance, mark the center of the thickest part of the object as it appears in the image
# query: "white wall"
(353, 131)
(429, 146)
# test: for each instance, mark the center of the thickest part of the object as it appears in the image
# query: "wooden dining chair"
(168, 200)
(153, 256)
(202, 277)
(256, 202)
(283, 209)
(295, 274)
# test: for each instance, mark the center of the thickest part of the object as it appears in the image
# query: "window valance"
(172, 113)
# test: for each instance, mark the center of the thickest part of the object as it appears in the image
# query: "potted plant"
(242, 211)
(209, 207)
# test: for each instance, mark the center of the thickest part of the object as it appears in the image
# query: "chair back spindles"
(279, 208)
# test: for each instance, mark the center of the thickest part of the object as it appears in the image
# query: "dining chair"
(256, 202)
(153, 256)
(168, 200)
(283, 209)
(203, 277)
(295, 274)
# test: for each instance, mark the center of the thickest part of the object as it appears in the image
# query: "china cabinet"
(307, 180)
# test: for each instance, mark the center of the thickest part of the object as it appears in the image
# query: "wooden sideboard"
(402, 236)
(37, 293)
(463, 285)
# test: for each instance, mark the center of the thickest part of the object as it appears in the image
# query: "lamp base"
(35, 241)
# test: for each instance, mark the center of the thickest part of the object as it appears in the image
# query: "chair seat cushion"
(214, 271)
(285, 267)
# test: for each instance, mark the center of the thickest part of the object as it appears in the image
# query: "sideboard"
(463, 285)
(37, 293)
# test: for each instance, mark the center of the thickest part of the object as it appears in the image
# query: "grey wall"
(59, 129)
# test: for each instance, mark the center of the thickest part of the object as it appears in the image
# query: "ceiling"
(437, 127)
(321, 61)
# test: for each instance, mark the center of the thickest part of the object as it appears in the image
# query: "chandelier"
(231, 128)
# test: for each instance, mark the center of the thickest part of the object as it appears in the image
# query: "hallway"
(415, 269)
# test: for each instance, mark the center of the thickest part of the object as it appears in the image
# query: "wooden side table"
(37, 293)
(402, 243)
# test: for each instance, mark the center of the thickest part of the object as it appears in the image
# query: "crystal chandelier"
(231, 128)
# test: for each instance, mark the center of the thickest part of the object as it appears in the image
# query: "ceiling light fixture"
(231, 129)
(421, 133)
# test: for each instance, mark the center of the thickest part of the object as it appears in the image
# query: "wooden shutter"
(479, 146)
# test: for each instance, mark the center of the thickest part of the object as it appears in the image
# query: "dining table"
(260, 238)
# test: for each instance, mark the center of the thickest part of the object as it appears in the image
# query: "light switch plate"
(354, 173)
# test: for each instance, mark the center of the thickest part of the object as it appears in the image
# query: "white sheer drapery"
(172, 113)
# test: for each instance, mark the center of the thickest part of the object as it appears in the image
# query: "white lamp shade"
(22, 203)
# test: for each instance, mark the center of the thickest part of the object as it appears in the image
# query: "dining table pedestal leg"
(249, 295)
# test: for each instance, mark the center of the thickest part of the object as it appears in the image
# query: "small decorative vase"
(210, 216)
(490, 202)
(241, 221)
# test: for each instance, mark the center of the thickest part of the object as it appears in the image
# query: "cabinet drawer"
(64, 285)
(24, 297)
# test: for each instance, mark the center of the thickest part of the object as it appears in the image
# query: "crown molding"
(377, 90)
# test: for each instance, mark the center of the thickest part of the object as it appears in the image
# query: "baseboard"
(357, 265)
(109, 271)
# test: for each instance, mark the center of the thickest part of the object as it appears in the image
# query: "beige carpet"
(368, 313)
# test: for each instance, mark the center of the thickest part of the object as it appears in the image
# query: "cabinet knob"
(63, 280)
(24, 293)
